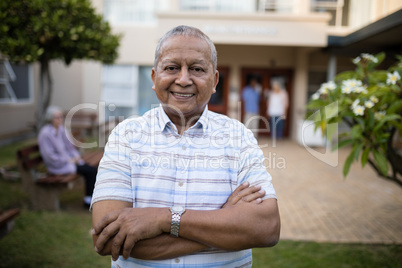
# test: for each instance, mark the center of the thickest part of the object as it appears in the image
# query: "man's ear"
(216, 80)
(153, 74)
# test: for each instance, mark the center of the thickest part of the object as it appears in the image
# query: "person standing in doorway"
(278, 102)
(251, 98)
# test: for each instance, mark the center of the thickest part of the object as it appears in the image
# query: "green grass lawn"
(62, 239)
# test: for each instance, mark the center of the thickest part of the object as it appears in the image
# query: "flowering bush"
(369, 101)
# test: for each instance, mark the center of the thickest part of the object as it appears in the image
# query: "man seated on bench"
(60, 155)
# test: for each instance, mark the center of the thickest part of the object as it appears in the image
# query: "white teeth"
(183, 95)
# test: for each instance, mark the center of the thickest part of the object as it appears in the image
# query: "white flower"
(346, 89)
(358, 110)
(374, 99)
(356, 60)
(330, 85)
(369, 57)
(323, 90)
(325, 87)
(369, 104)
(352, 83)
(315, 96)
(359, 89)
(392, 78)
(379, 115)
(355, 103)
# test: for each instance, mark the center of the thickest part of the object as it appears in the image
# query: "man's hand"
(245, 193)
(127, 226)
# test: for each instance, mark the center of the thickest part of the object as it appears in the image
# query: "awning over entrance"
(382, 35)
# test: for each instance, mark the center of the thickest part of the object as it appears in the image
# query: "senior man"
(183, 186)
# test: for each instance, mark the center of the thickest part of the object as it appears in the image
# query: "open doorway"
(265, 78)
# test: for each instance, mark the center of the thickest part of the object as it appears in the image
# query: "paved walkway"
(317, 204)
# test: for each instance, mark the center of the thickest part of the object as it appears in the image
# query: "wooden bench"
(43, 188)
(7, 220)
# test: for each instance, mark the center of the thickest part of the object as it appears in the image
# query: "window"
(127, 90)
(16, 83)
(145, 93)
(119, 89)
(218, 5)
(279, 6)
(336, 8)
(129, 12)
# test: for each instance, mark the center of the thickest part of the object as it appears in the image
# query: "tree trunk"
(45, 93)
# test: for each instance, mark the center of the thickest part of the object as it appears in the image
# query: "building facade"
(301, 43)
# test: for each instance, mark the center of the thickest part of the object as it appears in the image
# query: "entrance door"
(265, 78)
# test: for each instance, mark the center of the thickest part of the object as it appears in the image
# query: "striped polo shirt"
(148, 163)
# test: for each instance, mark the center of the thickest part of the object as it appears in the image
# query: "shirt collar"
(165, 122)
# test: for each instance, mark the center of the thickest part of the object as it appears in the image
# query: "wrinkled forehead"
(184, 41)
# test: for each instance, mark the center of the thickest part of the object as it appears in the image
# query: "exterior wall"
(67, 84)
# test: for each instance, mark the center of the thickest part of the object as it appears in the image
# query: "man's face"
(184, 79)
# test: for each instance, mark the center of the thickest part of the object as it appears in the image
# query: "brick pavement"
(317, 204)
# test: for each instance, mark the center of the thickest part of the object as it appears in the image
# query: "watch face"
(176, 209)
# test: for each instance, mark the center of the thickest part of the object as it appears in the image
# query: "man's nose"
(184, 78)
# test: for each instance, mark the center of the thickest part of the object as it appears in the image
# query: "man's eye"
(170, 68)
(197, 69)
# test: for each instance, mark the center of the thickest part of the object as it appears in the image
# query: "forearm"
(239, 227)
(165, 246)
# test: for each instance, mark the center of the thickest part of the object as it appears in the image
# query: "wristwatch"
(177, 211)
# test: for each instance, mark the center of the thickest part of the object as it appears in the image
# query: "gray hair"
(50, 112)
(184, 30)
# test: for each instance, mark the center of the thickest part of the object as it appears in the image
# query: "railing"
(219, 5)
(333, 6)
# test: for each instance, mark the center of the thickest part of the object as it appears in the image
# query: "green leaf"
(356, 131)
(357, 149)
(381, 162)
(347, 164)
(365, 156)
(343, 143)
(395, 107)
(390, 117)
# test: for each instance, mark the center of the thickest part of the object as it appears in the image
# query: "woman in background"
(60, 155)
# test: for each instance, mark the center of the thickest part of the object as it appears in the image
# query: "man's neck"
(183, 125)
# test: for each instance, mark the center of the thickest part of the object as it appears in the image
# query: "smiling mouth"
(182, 95)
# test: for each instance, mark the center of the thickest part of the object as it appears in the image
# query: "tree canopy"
(43, 30)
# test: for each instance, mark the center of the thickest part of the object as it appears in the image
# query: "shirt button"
(177, 260)
(183, 148)
(181, 184)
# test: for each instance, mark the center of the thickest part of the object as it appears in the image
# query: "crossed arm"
(245, 221)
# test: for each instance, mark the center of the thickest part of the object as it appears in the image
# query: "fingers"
(245, 193)
(105, 221)
(105, 236)
(128, 247)
(254, 196)
(118, 240)
(236, 195)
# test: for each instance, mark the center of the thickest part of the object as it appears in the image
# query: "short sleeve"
(113, 181)
(252, 167)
